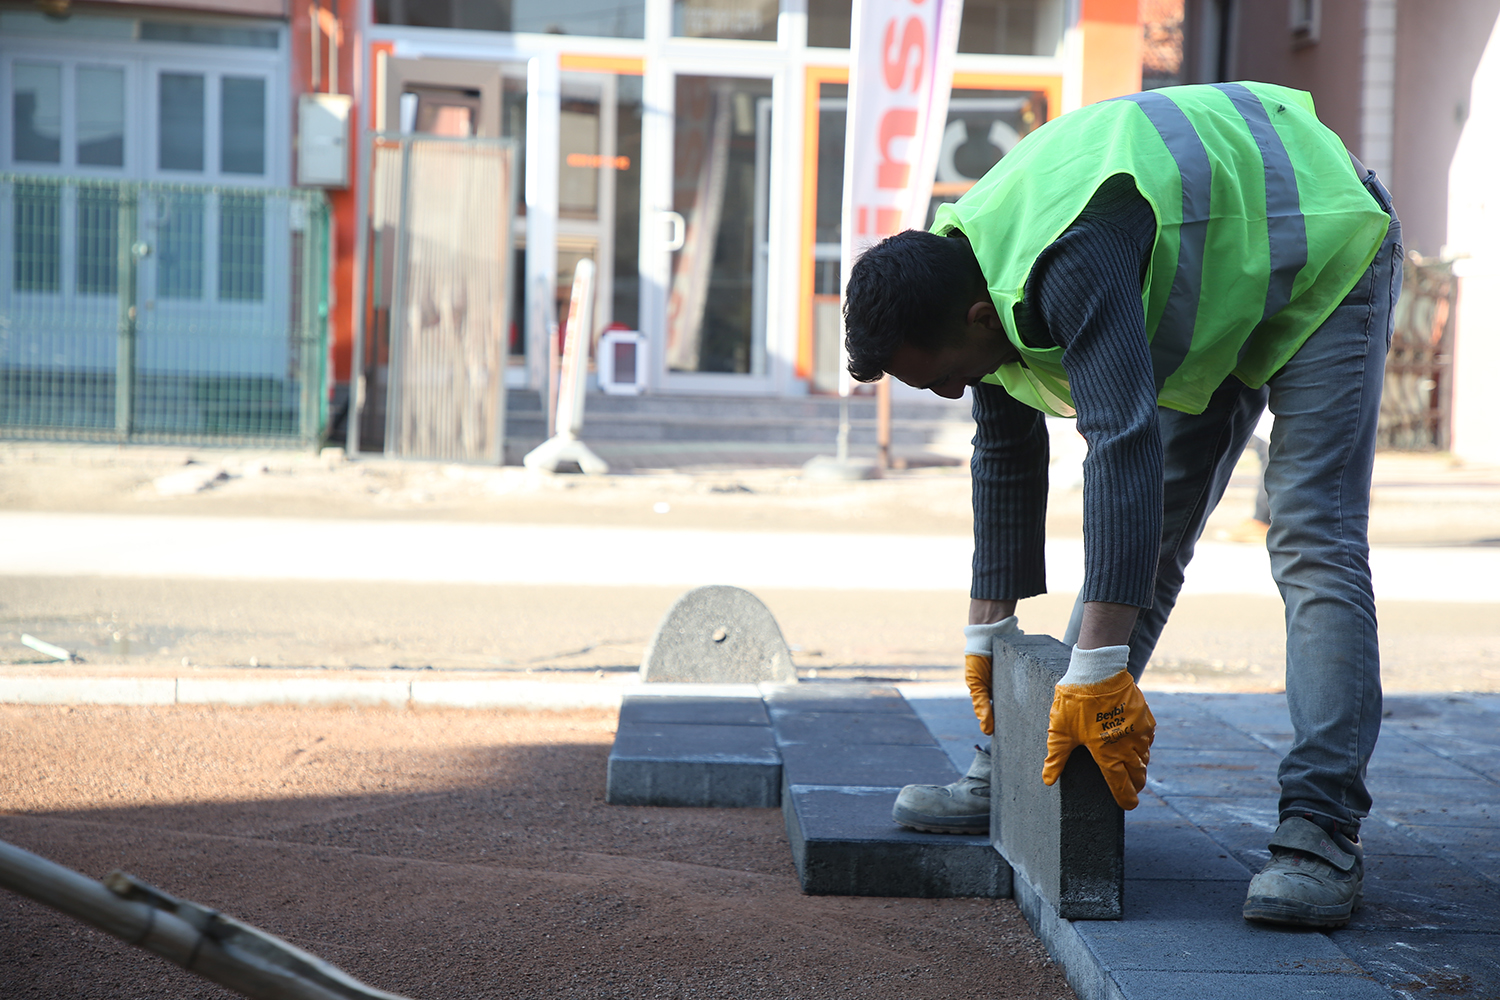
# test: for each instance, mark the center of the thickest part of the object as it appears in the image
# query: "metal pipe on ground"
(202, 941)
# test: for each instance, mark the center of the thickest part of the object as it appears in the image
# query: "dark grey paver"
(844, 843)
(880, 765)
(1175, 850)
(1422, 963)
(665, 764)
(1214, 772)
(834, 696)
(1168, 985)
(866, 728)
(1262, 714)
(1437, 801)
(1193, 926)
(950, 719)
(1403, 891)
(1067, 839)
(1398, 755)
(645, 709)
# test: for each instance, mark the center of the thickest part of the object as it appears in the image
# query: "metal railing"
(152, 312)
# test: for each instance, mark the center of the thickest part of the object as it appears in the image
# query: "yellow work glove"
(978, 657)
(1098, 705)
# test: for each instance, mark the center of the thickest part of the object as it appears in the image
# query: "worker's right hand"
(979, 657)
(1097, 704)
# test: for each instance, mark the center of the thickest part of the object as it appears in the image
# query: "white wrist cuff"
(979, 639)
(1090, 666)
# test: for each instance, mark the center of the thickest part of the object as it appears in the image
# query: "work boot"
(962, 807)
(1314, 878)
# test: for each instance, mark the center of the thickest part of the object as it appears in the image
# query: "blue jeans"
(1327, 401)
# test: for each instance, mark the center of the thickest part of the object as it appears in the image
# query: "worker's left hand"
(1098, 705)
(979, 657)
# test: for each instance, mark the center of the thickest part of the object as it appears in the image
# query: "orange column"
(315, 26)
(1110, 39)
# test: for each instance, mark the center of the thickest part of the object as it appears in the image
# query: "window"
(86, 116)
(750, 20)
(101, 116)
(36, 112)
(989, 27)
(180, 126)
(603, 18)
(242, 125)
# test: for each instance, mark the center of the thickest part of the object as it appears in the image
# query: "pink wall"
(1329, 69)
(1437, 51)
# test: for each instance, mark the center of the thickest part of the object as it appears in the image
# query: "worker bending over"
(1163, 266)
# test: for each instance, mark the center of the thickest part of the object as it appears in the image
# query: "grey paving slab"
(1195, 926)
(1213, 772)
(888, 765)
(1167, 985)
(1242, 826)
(1398, 755)
(864, 728)
(833, 696)
(665, 764)
(1067, 839)
(1265, 714)
(1437, 801)
(1477, 757)
(1419, 963)
(1477, 847)
(1427, 893)
(1185, 724)
(950, 719)
(844, 843)
(1172, 849)
(638, 709)
(1198, 732)
(1381, 839)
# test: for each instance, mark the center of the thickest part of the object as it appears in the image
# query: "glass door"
(715, 235)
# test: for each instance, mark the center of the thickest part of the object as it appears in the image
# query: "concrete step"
(811, 419)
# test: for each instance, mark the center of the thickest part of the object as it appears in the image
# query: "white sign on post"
(900, 72)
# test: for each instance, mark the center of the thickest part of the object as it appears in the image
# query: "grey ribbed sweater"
(1084, 295)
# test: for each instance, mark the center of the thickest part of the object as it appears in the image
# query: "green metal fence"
(153, 312)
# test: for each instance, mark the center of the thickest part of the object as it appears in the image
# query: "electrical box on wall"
(323, 140)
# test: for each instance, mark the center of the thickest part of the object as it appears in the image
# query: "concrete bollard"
(1067, 841)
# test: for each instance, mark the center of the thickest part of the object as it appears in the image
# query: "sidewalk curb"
(248, 692)
(307, 691)
(1084, 972)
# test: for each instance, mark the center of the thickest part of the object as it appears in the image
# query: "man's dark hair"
(913, 287)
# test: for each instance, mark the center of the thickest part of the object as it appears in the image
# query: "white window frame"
(69, 63)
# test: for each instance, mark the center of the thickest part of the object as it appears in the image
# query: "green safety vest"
(1262, 228)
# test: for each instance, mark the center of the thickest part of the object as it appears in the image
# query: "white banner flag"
(900, 72)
